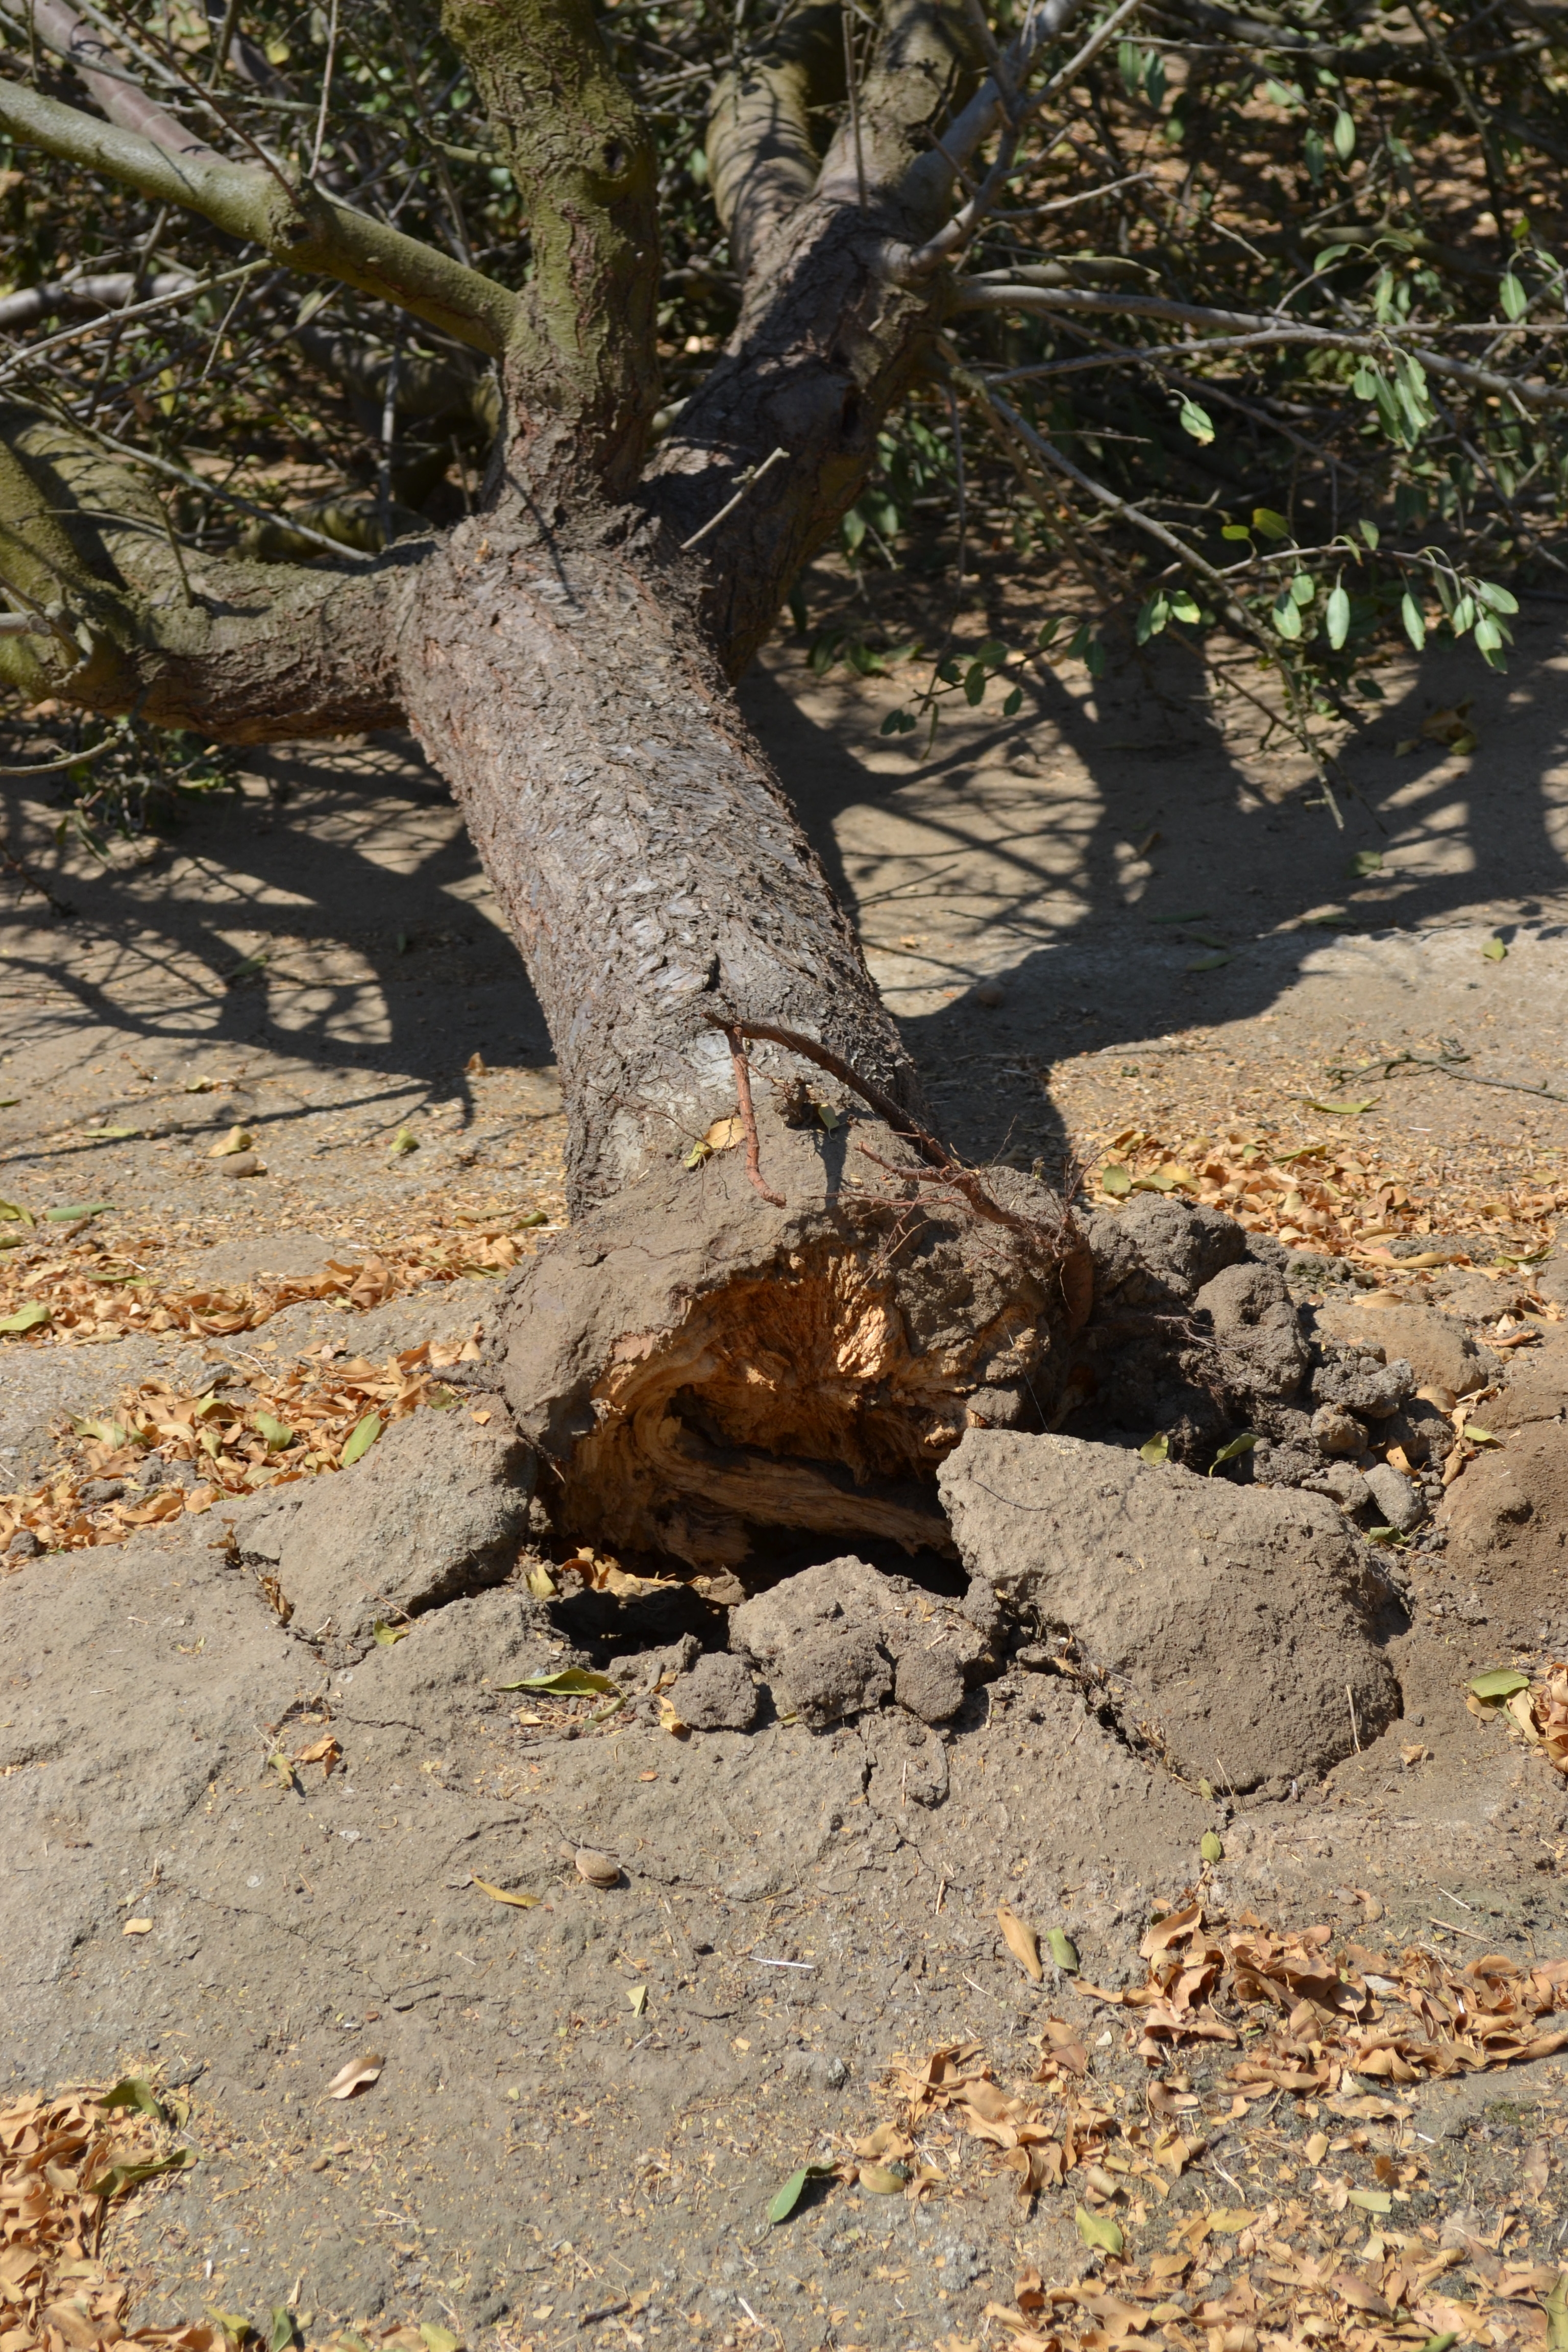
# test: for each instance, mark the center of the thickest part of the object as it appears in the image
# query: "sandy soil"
(1106, 915)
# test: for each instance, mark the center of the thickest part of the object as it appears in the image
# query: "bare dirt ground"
(1119, 938)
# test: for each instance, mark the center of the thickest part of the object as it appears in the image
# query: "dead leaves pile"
(1288, 2298)
(1326, 1195)
(1535, 1711)
(1365, 2013)
(62, 2162)
(90, 1293)
(1336, 2025)
(290, 1422)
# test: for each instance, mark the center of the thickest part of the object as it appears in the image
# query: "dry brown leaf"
(1021, 1941)
(357, 2075)
(520, 1902)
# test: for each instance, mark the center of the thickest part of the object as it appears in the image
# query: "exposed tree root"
(744, 1364)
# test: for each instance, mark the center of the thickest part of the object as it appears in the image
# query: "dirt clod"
(1439, 1350)
(434, 1509)
(718, 1695)
(1230, 1619)
(832, 1639)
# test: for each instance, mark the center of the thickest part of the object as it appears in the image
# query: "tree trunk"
(713, 1348)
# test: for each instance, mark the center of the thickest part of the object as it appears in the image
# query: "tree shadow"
(331, 911)
(1112, 870)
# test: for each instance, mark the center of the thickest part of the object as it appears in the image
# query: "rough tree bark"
(795, 1329)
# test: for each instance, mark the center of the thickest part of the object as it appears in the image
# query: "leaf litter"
(66, 2161)
(1347, 1200)
(233, 1443)
(1290, 2018)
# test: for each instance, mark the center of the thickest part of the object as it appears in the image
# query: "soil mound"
(1239, 1631)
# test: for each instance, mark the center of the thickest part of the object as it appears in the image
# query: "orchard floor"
(1108, 916)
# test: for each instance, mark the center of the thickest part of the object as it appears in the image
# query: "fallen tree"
(782, 1299)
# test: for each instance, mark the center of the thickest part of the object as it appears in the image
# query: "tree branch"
(582, 365)
(1242, 328)
(62, 28)
(305, 230)
(762, 159)
(242, 653)
(927, 62)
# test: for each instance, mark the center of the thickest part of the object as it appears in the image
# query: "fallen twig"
(749, 1121)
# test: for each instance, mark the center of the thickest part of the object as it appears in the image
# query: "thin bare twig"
(749, 1121)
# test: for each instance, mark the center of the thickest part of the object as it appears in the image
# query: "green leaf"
(1302, 587)
(360, 1438)
(119, 2178)
(383, 1635)
(1047, 631)
(974, 683)
(1116, 1181)
(1315, 153)
(1208, 963)
(1337, 617)
(403, 1143)
(26, 1318)
(1185, 607)
(440, 2339)
(1556, 2317)
(896, 722)
(1197, 422)
(1155, 1449)
(1514, 299)
(1011, 707)
(234, 2324)
(1062, 1950)
(282, 2332)
(1269, 525)
(13, 1211)
(1233, 1449)
(112, 1134)
(1370, 532)
(1210, 1846)
(1097, 2230)
(1152, 618)
(131, 2091)
(1286, 616)
(1366, 862)
(1498, 1682)
(78, 1209)
(568, 1679)
(278, 1434)
(1445, 2343)
(1329, 255)
(1414, 620)
(1345, 135)
(1489, 592)
(783, 2202)
(1494, 951)
(1235, 530)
